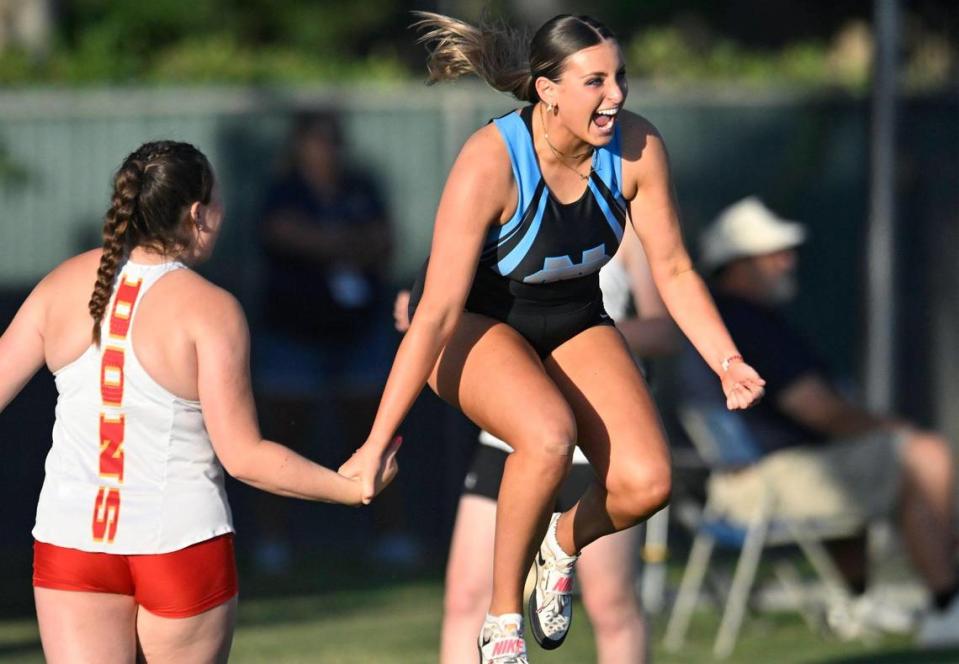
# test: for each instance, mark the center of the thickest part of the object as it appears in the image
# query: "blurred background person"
(321, 343)
(823, 455)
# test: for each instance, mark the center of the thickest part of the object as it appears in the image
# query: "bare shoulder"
(207, 308)
(481, 181)
(640, 137)
(82, 267)
(485, 152)
(643, 152)
(67, 282)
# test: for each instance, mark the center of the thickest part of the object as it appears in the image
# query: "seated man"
(825, 456)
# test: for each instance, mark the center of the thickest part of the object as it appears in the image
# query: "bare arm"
(811, 401)
(656, 221)
(223, 380)
(21, 346)
(473, 198)
(652, 332)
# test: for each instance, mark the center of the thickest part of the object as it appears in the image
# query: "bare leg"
(489, 371)
(202, 639)
(607, 576)
(619, 431)
(86, 627)
(926, 510)
(469, 579)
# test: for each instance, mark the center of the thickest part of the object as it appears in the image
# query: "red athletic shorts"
(178, 584)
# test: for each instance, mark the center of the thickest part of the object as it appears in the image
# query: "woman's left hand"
(742, 385)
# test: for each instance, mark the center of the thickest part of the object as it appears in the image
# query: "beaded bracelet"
(729, 360)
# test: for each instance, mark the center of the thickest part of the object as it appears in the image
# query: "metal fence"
(805, 154)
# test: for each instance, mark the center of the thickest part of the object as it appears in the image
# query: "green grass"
(398, 623)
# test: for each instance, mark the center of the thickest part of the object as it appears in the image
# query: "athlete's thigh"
(469, 570)
(201, 639)
(81, 627)
(617, 423)
(490, 372)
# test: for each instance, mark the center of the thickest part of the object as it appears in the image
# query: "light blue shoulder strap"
(608, 164)
(523, 159)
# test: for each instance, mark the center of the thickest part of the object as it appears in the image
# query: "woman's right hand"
(372, 468)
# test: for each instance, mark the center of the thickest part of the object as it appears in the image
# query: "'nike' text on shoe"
(501, 640)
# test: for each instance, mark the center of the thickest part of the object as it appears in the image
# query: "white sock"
(553, 543)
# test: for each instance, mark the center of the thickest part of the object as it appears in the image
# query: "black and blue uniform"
(538, 272)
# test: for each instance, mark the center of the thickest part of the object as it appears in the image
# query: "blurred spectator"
(824, 456)
(324, 338)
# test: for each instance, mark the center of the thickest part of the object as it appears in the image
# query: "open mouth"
(604, 118)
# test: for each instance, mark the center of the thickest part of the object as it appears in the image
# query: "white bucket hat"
(747, 228)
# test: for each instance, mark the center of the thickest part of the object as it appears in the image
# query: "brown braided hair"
(506, 58)
(152, 192)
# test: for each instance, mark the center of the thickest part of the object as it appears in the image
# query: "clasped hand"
(373, 466)
(742, 386)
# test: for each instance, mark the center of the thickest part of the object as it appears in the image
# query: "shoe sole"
(544, 641)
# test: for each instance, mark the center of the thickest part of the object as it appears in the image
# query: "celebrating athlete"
(508, 321)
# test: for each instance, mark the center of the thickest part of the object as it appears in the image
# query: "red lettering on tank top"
(111, 377)
(106, 507)
(111, 446)
(123, 307)
(106, 514)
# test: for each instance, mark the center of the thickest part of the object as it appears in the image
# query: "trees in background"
(302, 41)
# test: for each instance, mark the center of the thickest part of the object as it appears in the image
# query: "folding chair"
(726, 444)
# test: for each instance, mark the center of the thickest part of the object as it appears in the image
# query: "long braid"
(152, 193)
(123, 207)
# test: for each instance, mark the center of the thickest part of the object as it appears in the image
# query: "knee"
(638, 490)
(465, 599)
(928, 450)
(613, 610)
(548, 451)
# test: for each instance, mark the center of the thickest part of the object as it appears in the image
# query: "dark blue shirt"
(780, 355)
(310, 298)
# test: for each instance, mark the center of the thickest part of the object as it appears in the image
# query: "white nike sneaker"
(501, 640)
(550, 604)
(940, 629)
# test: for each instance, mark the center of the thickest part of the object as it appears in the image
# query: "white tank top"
(614, 282)
(131, 469)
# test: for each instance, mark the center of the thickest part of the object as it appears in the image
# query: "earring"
(549, 108)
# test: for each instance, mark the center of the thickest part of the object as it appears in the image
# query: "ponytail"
(495, 52)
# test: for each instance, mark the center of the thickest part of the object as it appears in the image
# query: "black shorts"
(486, 471)
(546, 315)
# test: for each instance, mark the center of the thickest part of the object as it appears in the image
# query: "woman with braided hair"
(133, 553)
(508, 320)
